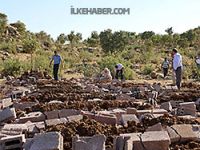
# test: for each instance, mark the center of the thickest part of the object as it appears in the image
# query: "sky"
(54, 17)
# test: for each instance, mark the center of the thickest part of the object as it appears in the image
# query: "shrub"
(147, 69)
(11, 67)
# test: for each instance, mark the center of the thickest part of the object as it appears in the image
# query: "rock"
(12, 142)
(54, 122)
(64, 113)
(75, 118)
(187, 108)
(7, 114)
(47, 141)
(7, 102)
(156, 127)
(156, 140)
(33, 117)
(129, 117)
(96, 142)
(52, 114)
(182, 132)
(131, 111)
(167, 106)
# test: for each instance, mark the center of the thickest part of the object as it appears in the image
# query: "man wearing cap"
(177, 67)
(57, 61)
(119, 68)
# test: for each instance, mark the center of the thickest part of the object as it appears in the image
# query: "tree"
(45, 40)
(169, 31)
(112, 42)
(3, 23)
(146, 35)
(61, 39)
(74, 38)
(94, 40)
(30, 46)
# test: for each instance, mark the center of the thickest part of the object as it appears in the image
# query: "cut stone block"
(182, 132)
(6, 102)
(106, 119)
(167, 106)
(24, 105)
(52, 122)
(52, 114)
(7, 114)
(13, 142)
(21, 128)
(157, 140)
(64, 113)
(96, 142)
(156, 127)
(131, 111)
(187, 108)
(75, 118)
(35, 127)
(33, 117)
(129, 117)
(47, 141)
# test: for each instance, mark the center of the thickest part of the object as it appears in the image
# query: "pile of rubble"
(79, 114)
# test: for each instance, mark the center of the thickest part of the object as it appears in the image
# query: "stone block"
(167, 106)
(52, 114)
(52, 122)
(13, 142)
(156, 127)
(156, 140)
(47, 141)
(131, 111)
(64, 113)
(33, 117)
(7, 114)
(75, 118)
(182, 132)
(106, 119)
(96, 142)
(187, 108)
(7, 102)
(129, 117)
(23, 105)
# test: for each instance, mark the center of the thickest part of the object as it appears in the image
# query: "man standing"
(165, 67)
(57, 60)
(119, 68)
(177, 67)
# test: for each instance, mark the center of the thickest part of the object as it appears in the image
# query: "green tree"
(30, 46)
(94, 40)
(146, 35)
(3, 23)
(45, 40)
(61, 39)
(169, 31)
(113, 42)
(74, 38)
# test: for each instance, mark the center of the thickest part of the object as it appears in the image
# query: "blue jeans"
(55, 71)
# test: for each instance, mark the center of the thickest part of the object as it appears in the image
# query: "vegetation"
(141, 54)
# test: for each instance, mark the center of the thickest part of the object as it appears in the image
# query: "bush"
(9, 47)
(11, 67)
(147, 69)
(88, 70)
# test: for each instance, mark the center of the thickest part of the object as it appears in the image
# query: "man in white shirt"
(177, 67)
(119, 68)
